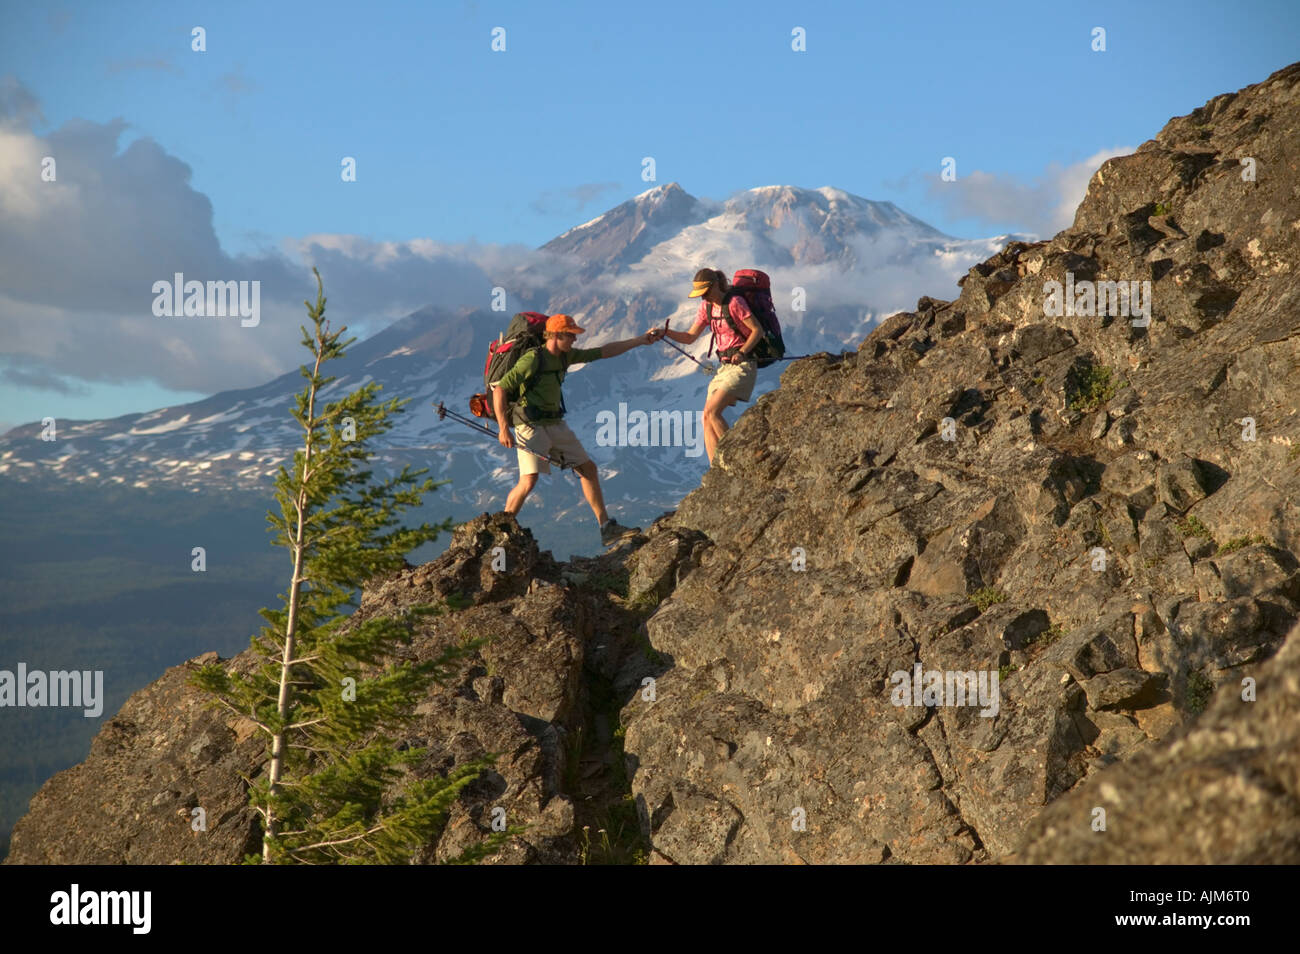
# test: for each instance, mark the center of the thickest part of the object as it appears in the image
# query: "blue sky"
(457, 143)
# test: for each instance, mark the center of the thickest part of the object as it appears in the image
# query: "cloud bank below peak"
(1043, 205)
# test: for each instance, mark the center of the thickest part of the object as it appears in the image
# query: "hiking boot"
(613, 530)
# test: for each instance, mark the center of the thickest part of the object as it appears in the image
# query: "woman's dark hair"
(713, 276)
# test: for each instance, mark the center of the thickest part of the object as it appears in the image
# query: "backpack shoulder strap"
(713, 329)
(726, 311)
(564, 369)
(534, 372)
(518, 414)
(539, 368)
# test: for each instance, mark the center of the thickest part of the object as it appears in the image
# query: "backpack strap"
(537, 372)
(538, 362)
(726, 315)
(726, 312)
(565, 361)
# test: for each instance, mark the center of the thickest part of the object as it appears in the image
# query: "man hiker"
(735, 379)
(539, 416)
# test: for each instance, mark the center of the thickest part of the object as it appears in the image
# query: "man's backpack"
(756, 288)
(522, 335)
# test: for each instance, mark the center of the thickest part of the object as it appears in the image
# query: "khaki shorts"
(553, 439)
(737, 379)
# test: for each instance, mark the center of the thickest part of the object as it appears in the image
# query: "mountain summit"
(622, 235)
(776, 225)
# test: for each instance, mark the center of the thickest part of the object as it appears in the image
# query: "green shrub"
(987, 596)
(1237, 543)
(1197, 695)
(644, 603)
(1047, 636)
(1091, 387)
(1193, 527)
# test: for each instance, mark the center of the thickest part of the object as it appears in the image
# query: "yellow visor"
(698, 289)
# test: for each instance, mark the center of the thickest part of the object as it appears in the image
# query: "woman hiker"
(734, 381)
(539, 416)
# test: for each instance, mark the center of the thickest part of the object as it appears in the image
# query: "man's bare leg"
(591, 490)
(522, 489)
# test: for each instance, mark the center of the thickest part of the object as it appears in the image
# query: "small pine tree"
(324, 696)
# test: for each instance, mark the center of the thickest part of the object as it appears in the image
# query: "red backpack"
(756, 288)
(523, 334)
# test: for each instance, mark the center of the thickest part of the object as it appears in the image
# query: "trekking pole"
(706, 368)
(444, 413)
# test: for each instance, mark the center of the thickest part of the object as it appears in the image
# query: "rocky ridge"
(538, 695)
(1112, 527)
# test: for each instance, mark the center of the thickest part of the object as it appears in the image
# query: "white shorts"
(553, 439)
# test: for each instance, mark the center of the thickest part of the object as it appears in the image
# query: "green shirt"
(543, 398)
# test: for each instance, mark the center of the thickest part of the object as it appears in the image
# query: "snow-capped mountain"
(850, 261)
(620, 237)
(775, 225)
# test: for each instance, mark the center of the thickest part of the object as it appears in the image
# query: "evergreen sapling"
(326, 691)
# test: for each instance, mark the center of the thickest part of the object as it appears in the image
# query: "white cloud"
(1044, 205)
(22, 193)
(79, 256)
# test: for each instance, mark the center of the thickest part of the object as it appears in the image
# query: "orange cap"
(558, 324)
